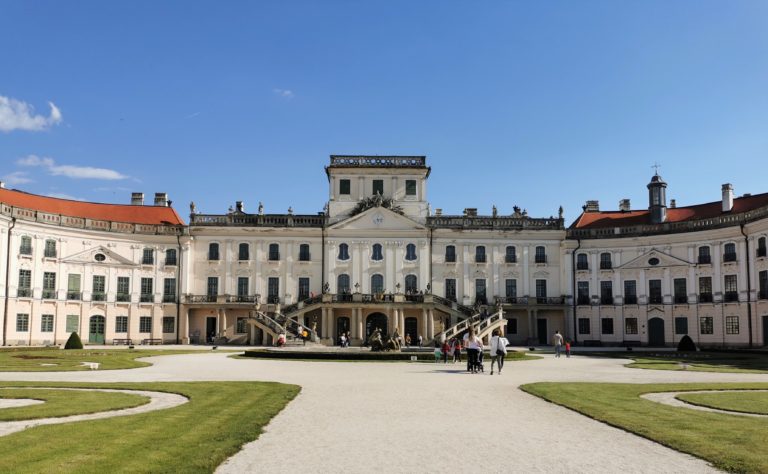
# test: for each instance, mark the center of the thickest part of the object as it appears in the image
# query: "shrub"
(73, 342)
(686, 344)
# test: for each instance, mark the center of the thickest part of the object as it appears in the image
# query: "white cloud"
(65, 196)
(18, 115)
(284, 93)
(17, 177)
(70, 171)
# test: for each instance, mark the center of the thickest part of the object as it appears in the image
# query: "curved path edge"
(669, 398)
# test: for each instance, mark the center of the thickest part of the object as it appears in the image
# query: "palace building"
(379, 256)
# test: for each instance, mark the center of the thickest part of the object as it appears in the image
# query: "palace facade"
(379, 256)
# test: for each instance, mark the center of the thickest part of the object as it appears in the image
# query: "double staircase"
(278, 324)
(482, 324)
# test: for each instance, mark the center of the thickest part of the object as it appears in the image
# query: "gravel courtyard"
(408, 417)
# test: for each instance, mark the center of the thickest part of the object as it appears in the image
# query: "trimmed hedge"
(73, 342)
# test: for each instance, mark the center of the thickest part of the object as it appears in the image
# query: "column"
(424, 324)
(430, 324)
(331, 322)
(360, 329)
(324, 323)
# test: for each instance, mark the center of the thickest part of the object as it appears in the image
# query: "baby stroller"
(478, 365)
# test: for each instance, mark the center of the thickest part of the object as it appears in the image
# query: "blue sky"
(535, 104)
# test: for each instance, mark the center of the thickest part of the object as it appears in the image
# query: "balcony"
(510, 259)
(705, 298)
(606, 300)
(705, 259)
(605, 266)
(731, 296)
(582, 266)
(550, 300)
(250, 298)
(169, 298)
(681, 299)
(630, 299)
(540, 259)
(655, 299)
(583, 301)
(24, 293)
(123, 297)
(729, 257)
(98, 296)
(146, 298)
(74, 295)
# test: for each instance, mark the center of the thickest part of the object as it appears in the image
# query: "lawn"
(55, 360)
(703, 362)
(64, 403)
(195, 437)
(746, 402)
(730, 442)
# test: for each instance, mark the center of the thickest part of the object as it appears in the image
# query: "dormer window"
(345, 187)
(343, 252)
(378, 187)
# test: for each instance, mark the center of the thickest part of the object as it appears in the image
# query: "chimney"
(439, 212)
(137, 199)
(592, 206)
(672, 204)
(624, 205)
(239, 206)
(161, 199)
(727, 197)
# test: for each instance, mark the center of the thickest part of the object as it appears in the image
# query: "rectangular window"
(243, 252)
(707, 327)
(25, 283)
(169, 324)
(121, 324)
(607, 325)
(98, 288)
(50, 249)
(243, 286)
(480, 294)
(344, 187)
(304, 253)
(541, 291)
(510, 288)
(46, 323)
(541, 255)
(49, 285)
(512, 326)
(681, 291)
(450, 254)
(762, 285)
(731, 324)
(123, 289)
(273, 290)
(630, 292)
(378, 187)
(145, 324)
(731, 289)
(630, 326)
(148, 257)
(304, 288)
(147, 288)
(73, 323)
(241, 326)
(170, 257)
(480, 254)
(681, 325)
(26, 245)
(704, 255)
(705, 289)
(654, 292)
(212, 288)
(450, 289)
(605, 261)
(582, 289)
(606, 292)
(73, 287)
(410, 187)
(511, 255)
(169, 290)
(22, 322)
(583, 325)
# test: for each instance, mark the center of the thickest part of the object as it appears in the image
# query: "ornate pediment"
(655, 259)
(378, 219)
(100, 255)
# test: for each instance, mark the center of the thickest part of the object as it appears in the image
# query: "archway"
(342, 326)
(656, 332)
(373, 321)
(411, 328)
(96, 330)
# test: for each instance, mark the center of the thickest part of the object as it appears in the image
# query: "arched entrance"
(411, 328)
(96, 330)
(342, 326)
(656, 332)
(373, 321)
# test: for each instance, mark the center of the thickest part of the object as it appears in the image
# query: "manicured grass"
(65, 403)
(704, 362)
(195, 437)
(68, 360)
(730, 442)
(745, 402)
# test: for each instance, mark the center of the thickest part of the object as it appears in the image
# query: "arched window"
(582, 262)
(411, 284)
(480, 254)
(26, 245)
(304, 253)
(376, 253)
(170, 257)
(377, 284)
(730, 253)
(511, 254)
(761, 250)
(605, 261)
(213, 251)
(541, 254)
(343, 252)
(342, 284)
(274, 252)
(410, 252)
(450, 253)
(704, 255)
(243, 251)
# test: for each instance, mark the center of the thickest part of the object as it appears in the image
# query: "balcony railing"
(170, 262)
(98, 297)
(705, 298)
(729, 257)
(49, 294)
(146, 298)
(148, 261)
(705, 259)
(305, 257)
(656, 299)
(681, 299)
(169, 298)
(606, 300)
(550, 300)
(74, 295)
(122, 297)
(731, 296)
(244, 299)
(273, 299)
(24, 293)
(632, 299)
(540, 259)
(583, 301)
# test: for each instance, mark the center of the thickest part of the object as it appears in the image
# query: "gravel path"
(668, 398)
(405, 417)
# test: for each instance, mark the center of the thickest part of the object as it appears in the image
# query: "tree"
(73, 342)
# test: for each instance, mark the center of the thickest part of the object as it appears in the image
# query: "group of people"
(557, 340)
(344, 339)
(449, 348)
(474, 347)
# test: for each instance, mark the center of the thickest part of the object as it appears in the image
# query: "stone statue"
(325, 209)
(374, 340)
(560, 212)
(290, 210)
(516, 210)
(377, 199)
(495, 212)
(525, 212)
(261, 208)
(192, 208)
(326, 288)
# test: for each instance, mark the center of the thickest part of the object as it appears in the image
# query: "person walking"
(474, 346)
(498, 350)
(445, 349)
(568, 349)
(456, 350)
(557, 339)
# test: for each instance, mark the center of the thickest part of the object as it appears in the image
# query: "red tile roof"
(158, 215)
(598, 220)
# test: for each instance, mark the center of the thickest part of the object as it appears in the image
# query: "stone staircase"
(280, 324)
(483, 325)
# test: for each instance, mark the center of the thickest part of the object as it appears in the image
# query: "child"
(567, 348)
(438, 353)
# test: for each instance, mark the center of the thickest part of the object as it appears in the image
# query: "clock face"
(378, 219)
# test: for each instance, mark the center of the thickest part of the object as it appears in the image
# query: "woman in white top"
(498, 349)
(474, 345)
